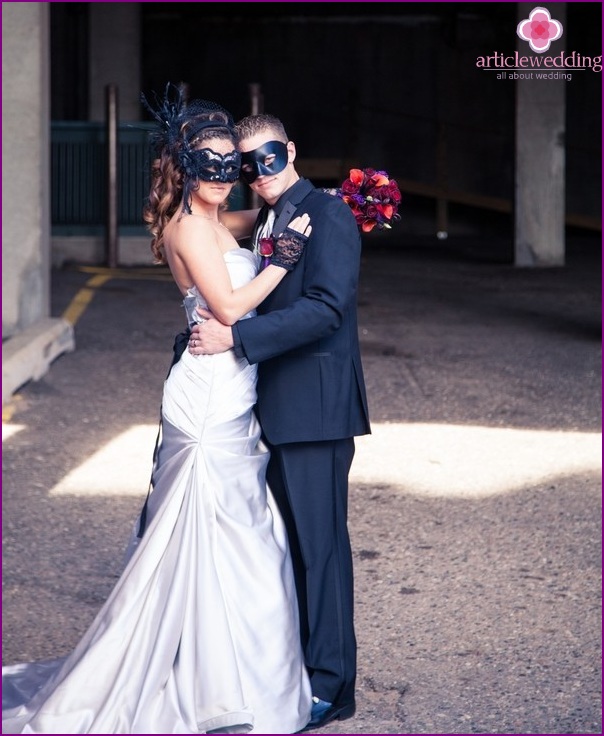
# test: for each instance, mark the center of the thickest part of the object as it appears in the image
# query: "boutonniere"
(266, 248)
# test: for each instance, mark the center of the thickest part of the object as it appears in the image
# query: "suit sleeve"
(331, 270)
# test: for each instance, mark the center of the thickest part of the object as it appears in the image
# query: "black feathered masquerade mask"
(182, 126)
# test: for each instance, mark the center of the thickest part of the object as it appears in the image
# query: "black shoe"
(323, 713)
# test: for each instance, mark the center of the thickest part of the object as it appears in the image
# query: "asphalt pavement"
(475, 505)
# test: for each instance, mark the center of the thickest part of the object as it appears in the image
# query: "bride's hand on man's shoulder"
(301, 224)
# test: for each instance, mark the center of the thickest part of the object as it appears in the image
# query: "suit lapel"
(283, 220)
(260, 220)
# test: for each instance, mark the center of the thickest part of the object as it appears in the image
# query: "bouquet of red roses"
(373, 198)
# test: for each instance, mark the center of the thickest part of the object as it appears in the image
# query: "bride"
(200, 633)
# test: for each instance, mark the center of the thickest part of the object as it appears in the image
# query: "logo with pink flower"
(539, 29)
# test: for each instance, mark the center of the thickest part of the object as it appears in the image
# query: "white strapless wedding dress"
(200, 634)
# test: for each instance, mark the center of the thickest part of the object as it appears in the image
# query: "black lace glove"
(288, 249)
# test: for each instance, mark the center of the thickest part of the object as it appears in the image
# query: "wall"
(25, 165)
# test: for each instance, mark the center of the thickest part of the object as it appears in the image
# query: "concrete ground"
(475, 505)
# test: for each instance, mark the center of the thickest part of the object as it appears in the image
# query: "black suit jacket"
(305, 337)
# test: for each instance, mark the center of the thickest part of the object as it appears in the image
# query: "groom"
(311, 400)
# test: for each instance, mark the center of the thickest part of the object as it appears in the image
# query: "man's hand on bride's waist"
(210, 337)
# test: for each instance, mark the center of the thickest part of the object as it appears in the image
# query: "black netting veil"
(181, 121)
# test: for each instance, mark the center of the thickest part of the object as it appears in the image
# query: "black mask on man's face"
(254, 163)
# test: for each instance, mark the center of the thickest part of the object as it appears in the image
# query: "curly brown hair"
(164, 199)
(168, 178)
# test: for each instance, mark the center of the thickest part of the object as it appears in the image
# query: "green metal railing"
(78, 163)
(79, 177)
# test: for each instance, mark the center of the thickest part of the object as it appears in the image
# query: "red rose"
(394, 193)
(350, 187)
(265, 246)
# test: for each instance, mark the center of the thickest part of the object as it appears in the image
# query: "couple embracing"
(234, 613)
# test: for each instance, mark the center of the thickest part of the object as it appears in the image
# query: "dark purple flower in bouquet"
(377, 194)
(372, 212)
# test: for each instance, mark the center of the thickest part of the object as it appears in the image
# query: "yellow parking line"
(7, 412)
(83, 298)
(101, 275)
(153, 273)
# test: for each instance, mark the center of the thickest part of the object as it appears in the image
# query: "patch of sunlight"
(425, 459)
(8, 430)
(470, 461)
(121, 468)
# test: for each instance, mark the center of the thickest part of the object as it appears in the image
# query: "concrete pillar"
(35, 339)
(540, 157)
(25, 165)
(115, 57)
